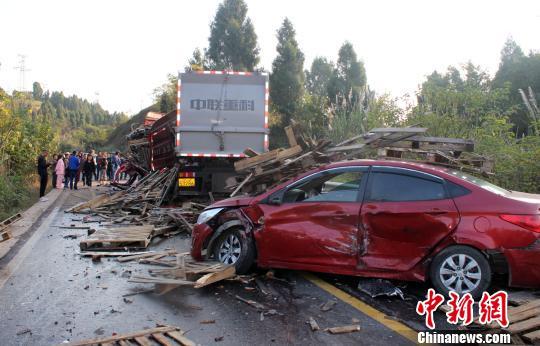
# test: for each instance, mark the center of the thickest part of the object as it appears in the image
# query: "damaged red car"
(382, 219)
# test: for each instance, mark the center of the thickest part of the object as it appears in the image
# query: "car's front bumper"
(199, 237)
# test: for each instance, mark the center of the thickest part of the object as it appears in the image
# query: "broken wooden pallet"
(133, 237)
(166, 336)
(5, 232)
(524, 320)
(186, 272)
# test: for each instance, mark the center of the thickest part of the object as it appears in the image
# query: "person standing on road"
(116, 162)
(102, 162)
(42, 166)
(89, 169)
(73, 166)
(54, 175)
(79, 170)
(95, 159)
(60, 170)
(67, 156)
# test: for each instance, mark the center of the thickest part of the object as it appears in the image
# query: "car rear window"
(479, 182)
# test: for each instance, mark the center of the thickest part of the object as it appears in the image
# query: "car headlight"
(208, 214)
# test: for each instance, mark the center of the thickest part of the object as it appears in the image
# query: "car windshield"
(479, 182)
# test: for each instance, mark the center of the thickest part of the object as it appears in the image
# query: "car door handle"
(436, 211)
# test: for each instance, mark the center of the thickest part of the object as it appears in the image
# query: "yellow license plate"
(186, 182)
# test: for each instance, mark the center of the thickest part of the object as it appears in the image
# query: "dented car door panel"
(404, 216)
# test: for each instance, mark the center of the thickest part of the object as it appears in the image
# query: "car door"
(314, 222)
(404, 215)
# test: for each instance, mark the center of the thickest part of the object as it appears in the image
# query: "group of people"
(70, 168)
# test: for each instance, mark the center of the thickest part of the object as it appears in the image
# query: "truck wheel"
(234, 247)
(461, 269)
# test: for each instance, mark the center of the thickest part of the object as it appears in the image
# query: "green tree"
(232, 44)
(37, 91)
(197, 62)
(319, 76)
(518, 71)
(348, 80)
(287, 78)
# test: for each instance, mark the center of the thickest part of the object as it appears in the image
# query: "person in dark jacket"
(73, 166)
(54, 176)
(89, 168)
(42, 166)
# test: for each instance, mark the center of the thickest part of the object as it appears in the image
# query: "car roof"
(391, 163)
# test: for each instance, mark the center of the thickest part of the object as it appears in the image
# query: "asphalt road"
(49, 294)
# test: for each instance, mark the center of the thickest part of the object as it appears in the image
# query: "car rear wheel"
(460, 269)
(234, 247)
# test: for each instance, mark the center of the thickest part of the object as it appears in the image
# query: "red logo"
(491, 308)
(494, 308)
(428, 306)
(460, 309)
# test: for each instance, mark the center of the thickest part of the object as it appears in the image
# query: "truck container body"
(219, 114)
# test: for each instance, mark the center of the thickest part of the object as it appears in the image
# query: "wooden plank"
(113, 253)
(524, 315)
(343, 329)
(287, 153)
(532, 337)
(250, 152)
(123, 336)
(290, 136)
(249, 162)
(208, 279)
(162, 339)
(180, 338)
(524, 326)
(530, 305)
(399, 130)
(313, 324)
(6, 235)
(143, 341)
(241, 185)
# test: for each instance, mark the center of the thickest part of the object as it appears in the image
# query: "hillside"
(117, 138)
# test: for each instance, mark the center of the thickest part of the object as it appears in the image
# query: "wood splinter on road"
(313, 324)
(344, 329)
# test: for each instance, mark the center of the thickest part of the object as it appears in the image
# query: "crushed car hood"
(239, 201)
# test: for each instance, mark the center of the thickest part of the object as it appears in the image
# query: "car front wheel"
(460, 269)
(234, 247)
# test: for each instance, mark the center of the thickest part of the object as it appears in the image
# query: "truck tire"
(461, 269)
(234, 247)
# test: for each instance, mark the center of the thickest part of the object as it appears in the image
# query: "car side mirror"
(275, 200)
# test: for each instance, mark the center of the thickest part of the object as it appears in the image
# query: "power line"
(22, 71)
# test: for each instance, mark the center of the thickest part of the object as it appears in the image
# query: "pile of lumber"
(150, 192)
(182, 271)
(262, 171)
(166, 336)
(5, 232)
(524, 322)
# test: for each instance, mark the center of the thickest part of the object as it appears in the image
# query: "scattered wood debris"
(265, 170)
(150, 192)
(166, 336)
(184, 272)
(328, 305)
(5, 232)
(313, 324)
(524, 321)
(344, 329)
(134, 237)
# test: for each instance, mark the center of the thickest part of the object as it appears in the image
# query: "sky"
(117, 52)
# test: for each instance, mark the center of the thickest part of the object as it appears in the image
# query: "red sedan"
(381, 219)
